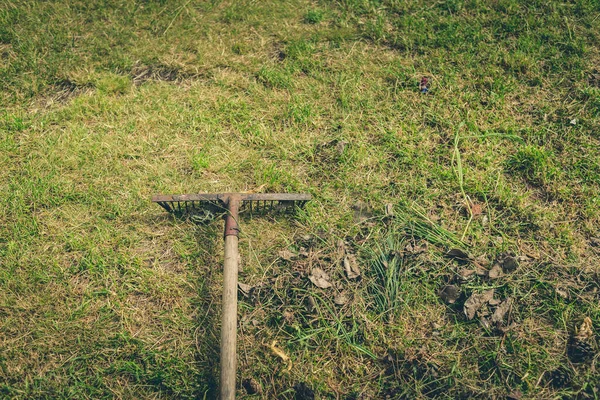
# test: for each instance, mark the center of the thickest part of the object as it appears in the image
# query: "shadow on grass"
(207, 301)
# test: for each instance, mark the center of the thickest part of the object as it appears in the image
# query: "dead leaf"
(280, 353)
(485, 322)
(351, 266)
(479, 270)
(340, 299)
(450, 293)
(319, 278)
(311, 304)
(481, 260)
(303, 253)
(245, 289)
(585, 331)
(457, 254)
(466, 274)
(414, 248)
(501, 311)
(341, 248)
(288, 316)
(286, 255)
(508, 262)
(476, 301)
(514, 395)
(494, 302)
(495, 272)
(362, 211)
(252, 386)
(476, 209)
(389, 210)
(562, 292)
(341, 146)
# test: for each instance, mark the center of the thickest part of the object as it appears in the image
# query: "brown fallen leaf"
(311, 304)
(457, 254)
(341, 146)
(319, 278)
(481, 260)
(362, 211)
(514, 395)
(245, 288)
(465, 274)
(351, 266)
(281, 354)
(340, 299)
(501, 311)
(476, 209)
(476, 301)
(414, 248)
(286, 255)
(562, 291)
(485, 322)
(508, 262)
(450, 293)
(479, 270)
(494, 302)
(495, 272)
(288, 316)
(389, 210)
(252, 386)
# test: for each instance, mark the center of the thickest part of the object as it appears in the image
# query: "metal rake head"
(207, 205)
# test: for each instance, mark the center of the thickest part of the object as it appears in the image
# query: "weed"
(534, 164)
(313, 16)
(388, 269)
(274, 78)
(200, 161)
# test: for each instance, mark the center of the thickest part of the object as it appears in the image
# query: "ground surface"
(106, 103)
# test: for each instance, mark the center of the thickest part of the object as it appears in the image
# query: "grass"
(107, 103)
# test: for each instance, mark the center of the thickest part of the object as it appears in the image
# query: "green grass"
(107, 103)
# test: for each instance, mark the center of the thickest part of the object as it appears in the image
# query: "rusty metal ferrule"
(233, 207)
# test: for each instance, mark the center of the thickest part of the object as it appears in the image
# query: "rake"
(206, 206)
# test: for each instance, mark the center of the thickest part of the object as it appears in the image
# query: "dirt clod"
(495, 272)
(351, 266)
(287, 255)
(245, 289)
(516, 394)
(476, 301)
(450, 293)
(558, 378)
(303, 392)
(319, 278)
(458, 254)
(252, 386)
(340, 299)
(508, 262)
(501, 311)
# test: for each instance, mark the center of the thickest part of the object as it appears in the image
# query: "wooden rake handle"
(229, 316)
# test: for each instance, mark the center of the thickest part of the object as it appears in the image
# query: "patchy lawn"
(458, 229)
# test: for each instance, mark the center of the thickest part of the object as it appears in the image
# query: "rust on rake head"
(253, 203)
